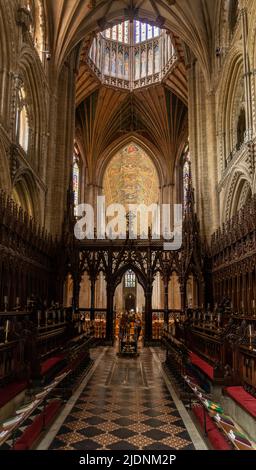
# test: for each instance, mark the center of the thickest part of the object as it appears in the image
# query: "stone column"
(247, 75)
(166, 299)
(148, 313)
(93, 282)
(110, 312)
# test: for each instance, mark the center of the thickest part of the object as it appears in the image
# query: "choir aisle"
(125, 405)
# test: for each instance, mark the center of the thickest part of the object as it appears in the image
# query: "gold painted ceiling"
(131, 178)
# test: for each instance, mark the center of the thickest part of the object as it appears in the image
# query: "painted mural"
(131, 178)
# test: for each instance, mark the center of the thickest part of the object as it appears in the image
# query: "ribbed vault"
(155, 115)
(71, 21)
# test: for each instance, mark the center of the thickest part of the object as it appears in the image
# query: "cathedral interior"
(112, 339)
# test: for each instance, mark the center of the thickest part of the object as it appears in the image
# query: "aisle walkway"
(126, 405)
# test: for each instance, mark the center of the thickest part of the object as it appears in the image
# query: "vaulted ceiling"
(71, 21)
(158, 114)
(155, 115)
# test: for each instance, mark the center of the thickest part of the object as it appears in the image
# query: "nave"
(126, 405)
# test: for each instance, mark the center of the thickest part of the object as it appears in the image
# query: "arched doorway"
(129, 298)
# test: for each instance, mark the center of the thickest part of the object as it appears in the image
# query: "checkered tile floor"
(125, 406)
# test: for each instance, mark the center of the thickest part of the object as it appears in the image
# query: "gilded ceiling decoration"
(131, 178)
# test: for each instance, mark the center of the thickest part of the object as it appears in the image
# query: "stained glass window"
(156, 31)
(186, 176)
(150, 31)
(22, 125)
(131, 41)
(130, 279)
(76, 177)
(126, 32)
(114, 32)
(137, 31)
(143, 31)
(120, 32)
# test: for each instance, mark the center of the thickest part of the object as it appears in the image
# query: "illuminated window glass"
(114, 32)
(143, 31)
(22, 124)
(150, 31)
(126, 32)
(156, 31)
(186, 177)
(137, 31)
(120, 32)
(131, 41)
(76, 176)
(130, 279)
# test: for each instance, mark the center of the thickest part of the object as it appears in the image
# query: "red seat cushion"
(243, 398)
(50, 363)
(202, 365)
(11, 390)
(31, 434)
(214, 435)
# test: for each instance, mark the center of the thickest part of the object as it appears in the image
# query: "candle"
(250, 331)
(253, 303)
(17, 301)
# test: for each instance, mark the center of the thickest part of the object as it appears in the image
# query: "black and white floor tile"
(125, 406)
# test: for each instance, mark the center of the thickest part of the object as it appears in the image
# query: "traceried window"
(130, 51)
(76, 177)
(22, 125)
(144, 31)
(130, 279)
(186, 176)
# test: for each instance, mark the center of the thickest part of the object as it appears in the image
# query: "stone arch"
(230, 106)
(239, 190)
(118, 145)
(117, 278)
(25, 194)
(252, 59)
(30, 71)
